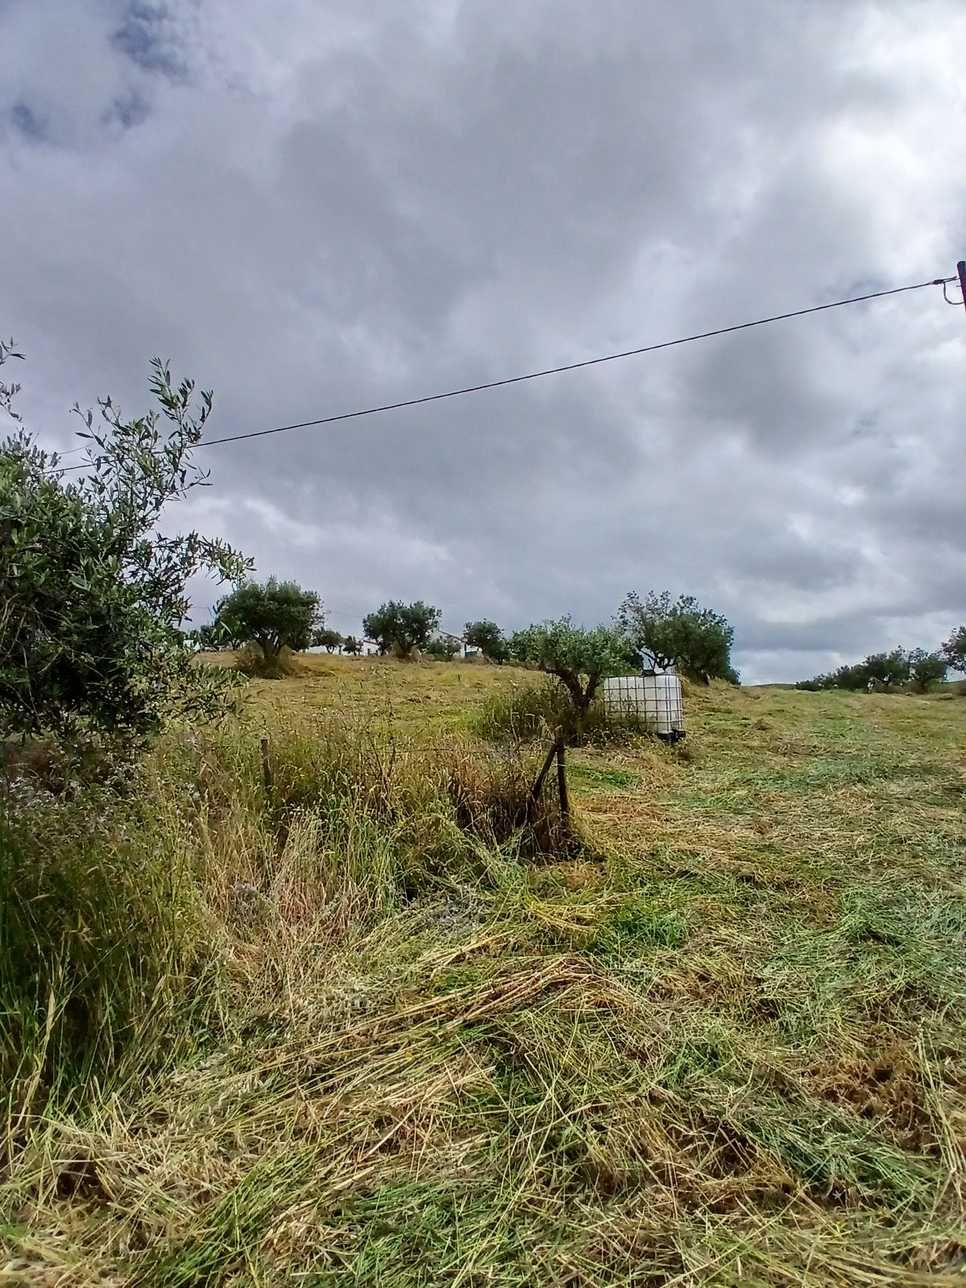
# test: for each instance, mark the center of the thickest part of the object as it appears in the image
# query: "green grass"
(530, 706)
(349, 1028)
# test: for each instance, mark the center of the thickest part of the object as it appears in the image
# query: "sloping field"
(722, 1043)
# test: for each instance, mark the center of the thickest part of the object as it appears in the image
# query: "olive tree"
(93, 595)
(443, 648)
(400, 628)
(488, 638)
(926, 669)
(578, 656)
(328, 639)
(661, 633)
(272, 615)
(883, 671)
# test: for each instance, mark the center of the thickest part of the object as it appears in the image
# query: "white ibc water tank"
(658, 698)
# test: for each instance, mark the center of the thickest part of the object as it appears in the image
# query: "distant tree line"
(915, 669)
(649, 633)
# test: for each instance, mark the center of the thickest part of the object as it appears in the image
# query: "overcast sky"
(316, 205)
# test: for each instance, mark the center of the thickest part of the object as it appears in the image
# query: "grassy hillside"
(413, 698)
(368, 1043)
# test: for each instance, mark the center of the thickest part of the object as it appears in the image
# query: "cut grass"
(730, 1049)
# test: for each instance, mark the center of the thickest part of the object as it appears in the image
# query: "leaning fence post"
(534, 792)
(562, 784)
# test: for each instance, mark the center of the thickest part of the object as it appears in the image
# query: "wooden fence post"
(534, 793)
(562, 784)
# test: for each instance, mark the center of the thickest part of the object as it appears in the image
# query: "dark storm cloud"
(314, 207)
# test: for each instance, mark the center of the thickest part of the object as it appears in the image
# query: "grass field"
(724, 1042)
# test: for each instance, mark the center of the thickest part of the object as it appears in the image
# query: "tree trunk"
(592, 682)
(571, 682)
(270, 648)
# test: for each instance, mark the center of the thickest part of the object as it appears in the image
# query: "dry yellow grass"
(415, 697)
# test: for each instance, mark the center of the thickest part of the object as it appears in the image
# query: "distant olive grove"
(915, 669)
(650, 633)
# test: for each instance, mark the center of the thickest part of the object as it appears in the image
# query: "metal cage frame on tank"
(658, 698)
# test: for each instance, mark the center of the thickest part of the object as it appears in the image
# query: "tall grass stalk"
(128, 915)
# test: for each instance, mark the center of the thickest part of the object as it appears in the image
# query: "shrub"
(542, 711)
(250, 661)
(523, 712)
(92, 596)
(577, 656)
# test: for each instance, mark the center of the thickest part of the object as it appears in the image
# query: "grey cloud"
(317, 207)
(26, 120)
(143, 35)
(127, 110)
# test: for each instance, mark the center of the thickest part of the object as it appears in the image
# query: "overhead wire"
(563, 367)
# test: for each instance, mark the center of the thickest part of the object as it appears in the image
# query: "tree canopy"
(926, 669)
(400, 628)
(661, 633)
(954, 649)
(886, 670)
(488, 638)
(578, 656)
(93, 596)
(328, 639)
(272, 615)
(442, 647)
